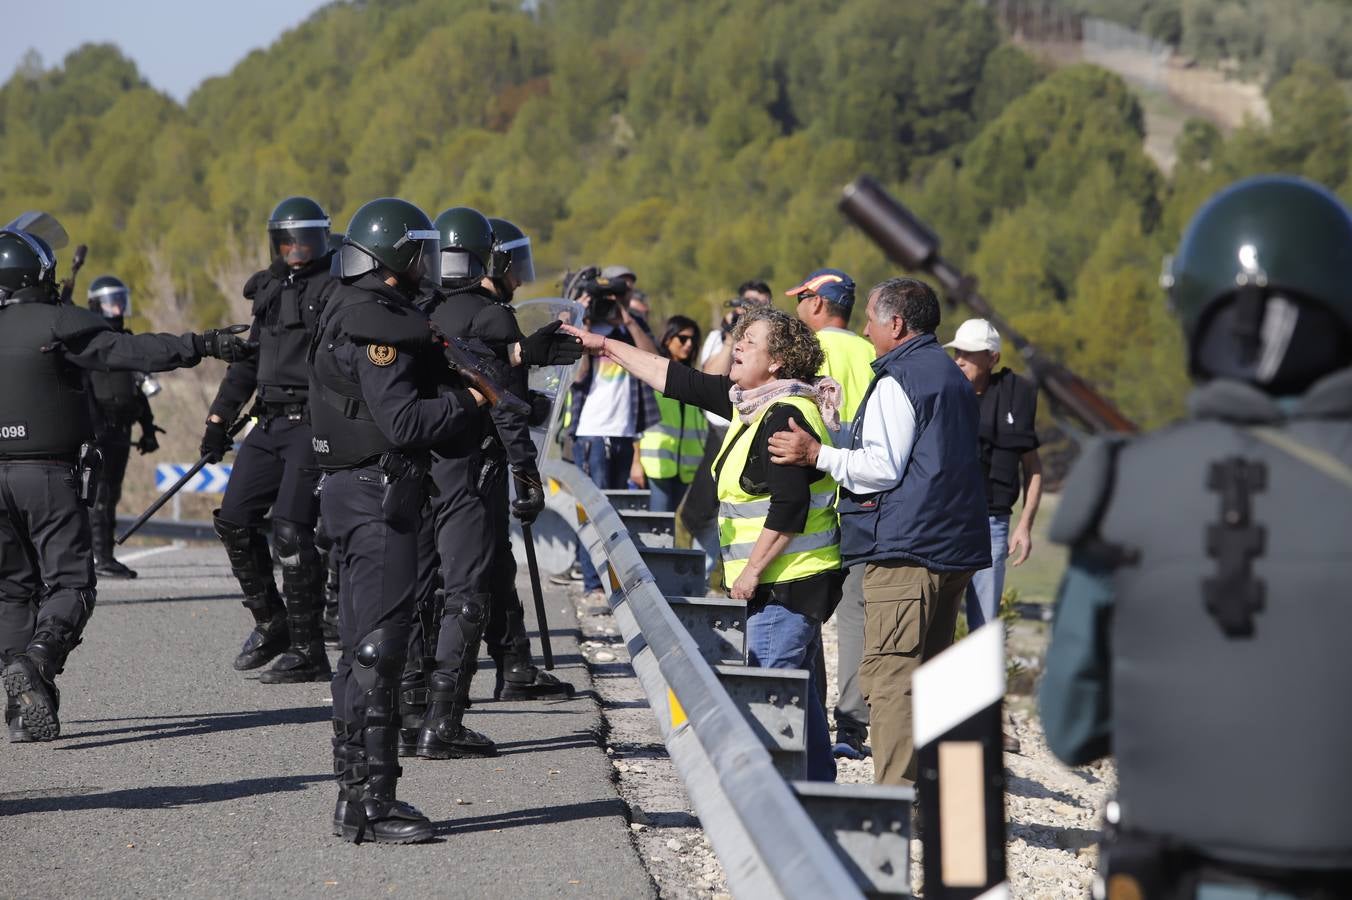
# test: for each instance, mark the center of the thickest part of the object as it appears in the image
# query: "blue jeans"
(988, 585)
(665, 494)
(606, 461)
(779, 638)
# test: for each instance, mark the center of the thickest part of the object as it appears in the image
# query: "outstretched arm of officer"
(388, 384)
(547, 346)
(106, 350)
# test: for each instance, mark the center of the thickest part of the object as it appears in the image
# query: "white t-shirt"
(606, 411)
(712, 344)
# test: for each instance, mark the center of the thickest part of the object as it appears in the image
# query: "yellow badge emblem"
(381, 354)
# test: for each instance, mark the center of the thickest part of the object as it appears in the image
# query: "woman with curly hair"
(777, 525)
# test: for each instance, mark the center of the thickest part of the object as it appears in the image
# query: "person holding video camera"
(612, 409)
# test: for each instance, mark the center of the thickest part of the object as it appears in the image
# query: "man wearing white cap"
(1008, 444)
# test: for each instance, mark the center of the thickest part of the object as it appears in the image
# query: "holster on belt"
(90, 464)
(403, 498)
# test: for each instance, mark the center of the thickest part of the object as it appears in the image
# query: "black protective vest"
(1236, 744)
(117, 395)
(345, 434)
(44, 409)
(286, 310)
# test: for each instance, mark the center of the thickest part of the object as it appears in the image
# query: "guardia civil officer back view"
(1201, 629)
(46, 564)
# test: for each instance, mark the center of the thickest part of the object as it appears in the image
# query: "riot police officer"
(1201, 626)
(377, 404)
(46, 565)
(470, 512)
(118, 403)
(275, 467)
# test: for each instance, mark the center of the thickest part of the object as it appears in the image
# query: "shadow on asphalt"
(194, 724)
(541, 815)
(577, 740)
(186, 598)
(161, 797)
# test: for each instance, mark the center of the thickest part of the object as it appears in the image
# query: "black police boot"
(303, 587)
(251, 561)
(18, 734)
(30, 687)
(517, 679)
(347, 769)
(111, 568)
(444, 735)
(101, 536)
(372, 811)
(412, 711)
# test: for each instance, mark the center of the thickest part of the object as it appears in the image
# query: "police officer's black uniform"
(377, 407)
(46, 566)
(119, 403)
(470, 511)
(275, 467)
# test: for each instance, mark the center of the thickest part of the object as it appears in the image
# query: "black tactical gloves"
(546, 347)
(148, 443)
(215, 442)
(222, 343)
(530, 494)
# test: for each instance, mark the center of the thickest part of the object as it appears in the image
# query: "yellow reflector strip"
(677, 711)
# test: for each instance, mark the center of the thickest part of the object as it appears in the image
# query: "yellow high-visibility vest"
(741, 516)
(675, 445)
(849, 360)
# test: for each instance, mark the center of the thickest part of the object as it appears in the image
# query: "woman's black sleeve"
(708, 392)
(790, 487)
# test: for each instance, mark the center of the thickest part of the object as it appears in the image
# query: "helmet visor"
(298, 243)
(457, 264)
(425, 265)
(112, 302)
(513, 258)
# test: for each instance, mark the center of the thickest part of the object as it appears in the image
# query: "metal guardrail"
(758, 822)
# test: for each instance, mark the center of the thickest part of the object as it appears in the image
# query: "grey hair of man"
(911, 300)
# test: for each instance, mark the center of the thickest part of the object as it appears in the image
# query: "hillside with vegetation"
(702, 143)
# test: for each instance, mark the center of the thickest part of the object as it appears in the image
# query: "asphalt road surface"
(177, 776)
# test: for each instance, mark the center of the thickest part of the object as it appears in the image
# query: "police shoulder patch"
(381, 354)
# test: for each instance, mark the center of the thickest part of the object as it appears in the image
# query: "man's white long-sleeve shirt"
(885, 443)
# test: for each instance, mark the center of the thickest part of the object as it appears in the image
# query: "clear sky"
(174, 44)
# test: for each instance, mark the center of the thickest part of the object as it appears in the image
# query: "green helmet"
(466, 245)
(1262, 282)
(109, 297)
(26, 261)
(511, 253)
(395, 234)
(299, 231)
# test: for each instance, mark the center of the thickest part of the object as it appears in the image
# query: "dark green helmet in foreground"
(299, 231)
(511, 253)
(109, 297)
(393, 234)
(466, 245)
(1262, 282)
(26, 261)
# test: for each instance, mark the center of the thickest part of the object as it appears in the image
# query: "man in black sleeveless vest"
(480, 269)
(119, 402)
(1201, 628)
(275, 467)
(46, 564)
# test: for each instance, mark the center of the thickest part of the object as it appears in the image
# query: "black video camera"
(605, 294)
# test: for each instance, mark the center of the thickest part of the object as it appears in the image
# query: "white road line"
(151, 551)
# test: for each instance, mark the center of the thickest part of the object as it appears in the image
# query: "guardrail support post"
(869, 827)
(678, 573)
(717, 625)
(774, 702)
(650, 529)
(623, 500)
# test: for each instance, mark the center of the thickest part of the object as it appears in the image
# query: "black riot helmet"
(512, 264)
(395, 235)
(109, 297)
(26, 261)
(1263, 284)
(299, 231)
(466, 246)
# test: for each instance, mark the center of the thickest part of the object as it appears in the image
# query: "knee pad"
(301, 569)
(379, 658)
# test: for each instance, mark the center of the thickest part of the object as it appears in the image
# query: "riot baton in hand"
(910, 242)
(175, 488)
(540, 619)
(76, 263)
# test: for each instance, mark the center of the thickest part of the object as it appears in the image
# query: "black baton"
(541, 621)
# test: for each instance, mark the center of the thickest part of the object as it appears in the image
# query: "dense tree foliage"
(702, 143)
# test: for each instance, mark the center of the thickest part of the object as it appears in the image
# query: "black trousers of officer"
(377, 566)
(114, 442)
(506, 632)
(275, 469)
(46, 567)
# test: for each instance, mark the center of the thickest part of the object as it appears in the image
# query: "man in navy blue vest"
(912, 506)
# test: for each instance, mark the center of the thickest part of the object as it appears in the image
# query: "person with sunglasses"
(669, 453)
